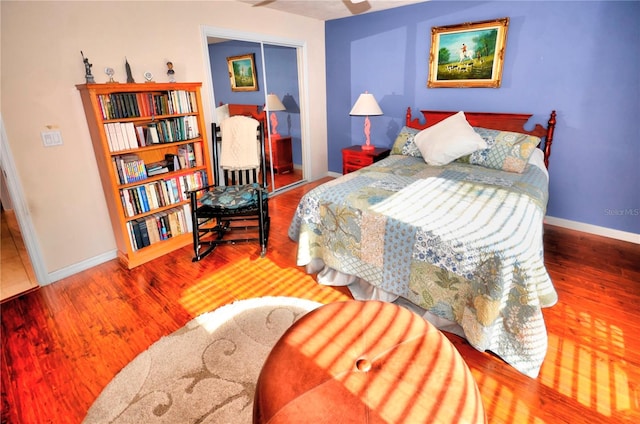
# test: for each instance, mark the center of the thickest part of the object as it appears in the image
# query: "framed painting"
(242, 73)
(468, 55)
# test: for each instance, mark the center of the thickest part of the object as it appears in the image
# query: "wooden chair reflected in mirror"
(235, 208)
(281, 170)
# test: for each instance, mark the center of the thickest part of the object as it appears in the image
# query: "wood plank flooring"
(16, 272)
(64, 342)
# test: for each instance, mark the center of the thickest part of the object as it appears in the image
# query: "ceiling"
(325, 10)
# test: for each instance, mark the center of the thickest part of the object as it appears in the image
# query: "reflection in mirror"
(276, 74)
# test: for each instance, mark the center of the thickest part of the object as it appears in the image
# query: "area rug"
(205, 372)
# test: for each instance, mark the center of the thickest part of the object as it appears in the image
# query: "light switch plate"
(51, 138)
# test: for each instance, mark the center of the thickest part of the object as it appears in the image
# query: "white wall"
(41, 64)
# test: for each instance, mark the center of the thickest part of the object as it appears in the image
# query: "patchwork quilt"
(462, 241)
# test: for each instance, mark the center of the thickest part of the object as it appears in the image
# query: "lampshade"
(366, 105)
(274, 103)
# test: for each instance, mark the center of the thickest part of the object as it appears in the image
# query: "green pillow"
(508, 151)
(405, 144)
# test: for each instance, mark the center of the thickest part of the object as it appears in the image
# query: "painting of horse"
(468, 55)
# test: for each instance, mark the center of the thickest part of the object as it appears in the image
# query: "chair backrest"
(237, 177)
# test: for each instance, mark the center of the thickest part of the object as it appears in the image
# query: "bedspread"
(461, 241)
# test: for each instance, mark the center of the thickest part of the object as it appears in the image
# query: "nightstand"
(281, 151)
(354, 158)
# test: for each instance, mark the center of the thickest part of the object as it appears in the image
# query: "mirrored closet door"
(268, 86)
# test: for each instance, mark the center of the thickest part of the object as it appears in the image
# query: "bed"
(458, 240)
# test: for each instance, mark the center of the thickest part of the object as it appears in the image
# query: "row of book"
(177, 129)
(134, 105)
(157, 194)
(159, 226)
(128, 136)
(130, 168)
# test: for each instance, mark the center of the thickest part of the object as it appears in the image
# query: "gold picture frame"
(468, 55)
(242, 72)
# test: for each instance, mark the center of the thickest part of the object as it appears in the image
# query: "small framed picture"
(242, 72)
(468, 55)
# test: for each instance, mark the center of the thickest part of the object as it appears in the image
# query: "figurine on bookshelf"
(110, 72)
(128, 69)
(87, 69)
(170, 72)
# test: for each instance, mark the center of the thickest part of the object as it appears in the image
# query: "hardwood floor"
(64, 342)
(16, 272)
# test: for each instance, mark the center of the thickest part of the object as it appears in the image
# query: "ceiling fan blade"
(261, 3)
(357, 6)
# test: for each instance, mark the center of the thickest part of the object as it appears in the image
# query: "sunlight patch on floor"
(249, 278)
(591, 373)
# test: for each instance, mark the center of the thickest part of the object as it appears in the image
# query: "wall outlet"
(51, 138)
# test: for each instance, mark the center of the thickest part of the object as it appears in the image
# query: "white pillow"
(222, 113)
(448, 140)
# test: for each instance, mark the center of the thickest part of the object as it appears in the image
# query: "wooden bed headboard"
(496, 121)
(248, 110)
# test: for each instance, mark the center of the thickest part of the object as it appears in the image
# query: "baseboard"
(82, 266)
(593, 229)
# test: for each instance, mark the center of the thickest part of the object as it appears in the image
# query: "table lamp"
(366, 105)
(274, 104)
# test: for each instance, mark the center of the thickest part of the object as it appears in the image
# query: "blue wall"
(282, 79)
(579, 58)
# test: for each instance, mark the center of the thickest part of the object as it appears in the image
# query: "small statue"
(170, 72)
(128, 69)
(110, 73)
(87, 69)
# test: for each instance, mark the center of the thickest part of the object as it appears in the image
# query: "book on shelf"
(161, 200)
(165, 193)
(146, 206)
(140, 135)
(132, 241)
(151, 196)
(137, 235)
(173, 224)
(187, 156)
(187, 212)
(182, 186)
(183, 157)
(197, 151)
(156, 168)
(129, 168)
(176, 190)
(152, 229)
(152, 134)
(144, 233)
(111, 137)
(127, 132)
(163, 227)
(127, 202)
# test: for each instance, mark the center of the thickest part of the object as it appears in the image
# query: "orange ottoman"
(365, 362)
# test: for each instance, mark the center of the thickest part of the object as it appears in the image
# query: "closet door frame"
(302, 63)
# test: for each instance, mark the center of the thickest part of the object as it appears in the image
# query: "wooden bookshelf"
(133, 126)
